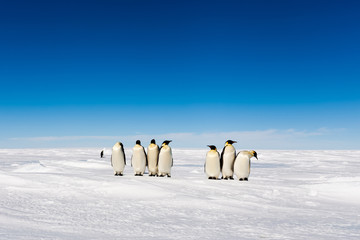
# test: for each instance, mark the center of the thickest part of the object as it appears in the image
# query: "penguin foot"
(225, 178)
(138, 174)
(246, 179)
(231, 178)
(240, 179)
(161, 175)
(168, 175)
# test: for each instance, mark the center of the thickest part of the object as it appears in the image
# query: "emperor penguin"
(242, 164)
(212, 163)
(227, 159)
(102, 153)
(153, 157)
(139, 159)
(118, 160)
(165, 159)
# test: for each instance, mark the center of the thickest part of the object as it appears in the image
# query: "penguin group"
(228, 162)
(159, 161)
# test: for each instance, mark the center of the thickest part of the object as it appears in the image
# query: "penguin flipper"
(249, 165)
(123, 154)
(220, 161)
(222, 158)
(159, 155)
(146, 158)
(172, 162)
(157, 159)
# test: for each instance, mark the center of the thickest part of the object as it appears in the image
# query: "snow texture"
(73, 194)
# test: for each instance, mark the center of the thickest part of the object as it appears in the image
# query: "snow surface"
(72, 194)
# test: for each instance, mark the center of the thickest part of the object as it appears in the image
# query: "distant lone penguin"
(242, 164)
(138, 159)
(153, 157)
(102, 153)
(118, 160)
(212, 163)
(165, 159)
(227, 159)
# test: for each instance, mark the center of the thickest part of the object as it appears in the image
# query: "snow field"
(72, 194)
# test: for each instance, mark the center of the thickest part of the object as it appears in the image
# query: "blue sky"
(272, 74)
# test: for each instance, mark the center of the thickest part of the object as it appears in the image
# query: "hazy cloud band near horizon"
(260, 139)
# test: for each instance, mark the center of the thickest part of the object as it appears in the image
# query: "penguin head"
(229, 142)
(254, 154)
(153, 141)
(138, 142)
(122, 146)
(166, 142)
(117, 145)
(212, 147)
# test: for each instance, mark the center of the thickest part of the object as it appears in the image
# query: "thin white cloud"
(60, 138)
(266, 139)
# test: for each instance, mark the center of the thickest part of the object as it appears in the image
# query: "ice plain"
(72, 194)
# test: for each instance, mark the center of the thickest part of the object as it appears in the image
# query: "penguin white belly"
(138, 160)
(212, 165)
(165, 161)
(228, 161)
(117, 160)
(242, 166)
(153, 154)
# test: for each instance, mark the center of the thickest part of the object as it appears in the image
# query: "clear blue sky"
(87, 73)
